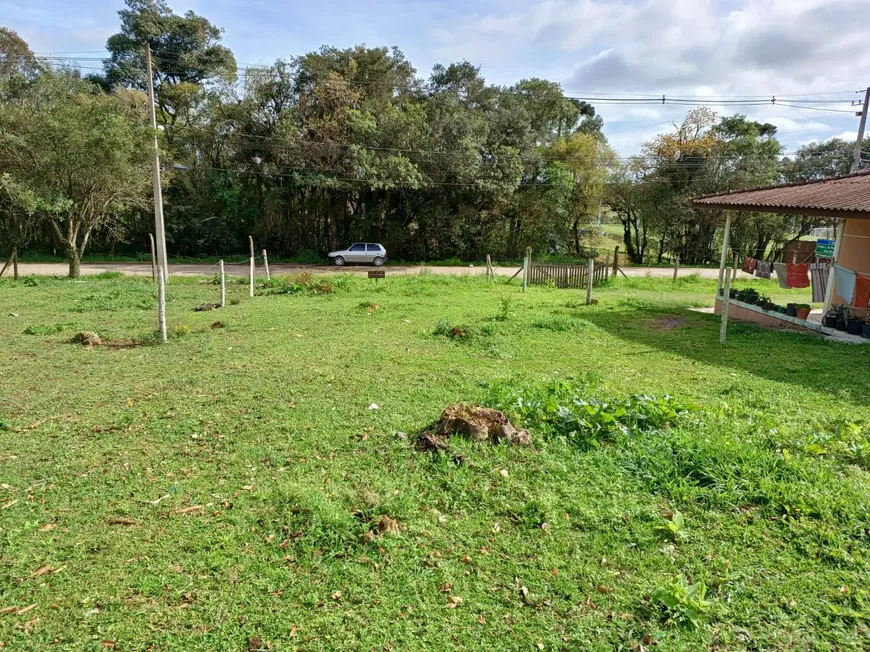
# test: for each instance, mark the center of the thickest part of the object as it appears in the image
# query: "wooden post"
(616, 260)
(266, 264)
(726, 237)
(607, 266)
(251, 240)
(590, 274)
(490, 270)
(15, 263)
(676, 268)
(734, 271)
(223, 286)
(153, 258)
(726, 300)
(161, 303)
(527, 267)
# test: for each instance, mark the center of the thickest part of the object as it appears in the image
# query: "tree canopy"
(343, 144)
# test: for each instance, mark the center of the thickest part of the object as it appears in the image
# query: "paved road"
(139, 269)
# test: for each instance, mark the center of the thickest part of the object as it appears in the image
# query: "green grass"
(107, 455)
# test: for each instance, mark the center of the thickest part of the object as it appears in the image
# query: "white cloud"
(684, 47)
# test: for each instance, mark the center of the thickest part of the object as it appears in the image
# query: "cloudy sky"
(804, 51)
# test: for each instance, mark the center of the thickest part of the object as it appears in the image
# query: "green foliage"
(44, 329)
(575, 412)
(684, 602)
(673, 526)
(303, 283)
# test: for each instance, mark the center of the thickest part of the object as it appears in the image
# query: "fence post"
(607, 266)
(251, 240)
(615, 260)
(676, 268)
(223, 286)
(266, 264)
(153, 259)
(527, 264)
(590, 274)
(161, 303)
(15, 263)
(734, 271)
(726, 300)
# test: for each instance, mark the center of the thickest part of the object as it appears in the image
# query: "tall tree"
(76, 158)
(186, 53)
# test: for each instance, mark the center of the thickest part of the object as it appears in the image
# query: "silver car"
(359, 252)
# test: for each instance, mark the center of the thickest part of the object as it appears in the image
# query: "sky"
(803, 51)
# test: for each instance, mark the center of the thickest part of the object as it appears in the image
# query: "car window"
(358, 247)
(373, 247)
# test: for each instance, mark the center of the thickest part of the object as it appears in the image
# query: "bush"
(302, 283)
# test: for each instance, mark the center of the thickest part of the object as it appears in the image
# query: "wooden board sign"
(378, 273)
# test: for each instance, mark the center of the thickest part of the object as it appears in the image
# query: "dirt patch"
(476, 423)
(667, 323)
(122, 344)
(207, 306)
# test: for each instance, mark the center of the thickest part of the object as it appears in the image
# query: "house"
(846, 198)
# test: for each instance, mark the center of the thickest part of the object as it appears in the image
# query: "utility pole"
(841, 223)
(162, 263)
(856, 159)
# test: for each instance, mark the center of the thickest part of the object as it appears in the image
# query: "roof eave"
(784, 210)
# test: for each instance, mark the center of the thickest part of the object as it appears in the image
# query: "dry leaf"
(466, 559)
(504, 473)
(336, 595)
(10, 503)
(47, 527)
(481, 620)
(8, 610)
(24, 610)
(42, 570)
(189, 510)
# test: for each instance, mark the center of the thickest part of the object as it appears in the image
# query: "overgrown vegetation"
(236, 486)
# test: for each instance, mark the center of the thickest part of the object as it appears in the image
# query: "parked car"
(359, 252)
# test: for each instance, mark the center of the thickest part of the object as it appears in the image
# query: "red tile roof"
(846, 196)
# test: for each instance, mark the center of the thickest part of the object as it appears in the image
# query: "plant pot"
(830, 321)
(840, 325)
(853, 327)
(865, 330)
(791, 311)
(803, 313)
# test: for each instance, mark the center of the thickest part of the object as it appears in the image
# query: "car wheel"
(378, 261)
(338, 261)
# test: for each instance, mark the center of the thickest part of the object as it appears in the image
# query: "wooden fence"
(566, 276)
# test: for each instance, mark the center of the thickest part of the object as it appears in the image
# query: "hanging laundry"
(845, 283)
(862, 291)
(819, 277)
(781, 270)
(763, 269)
(749, 264)
(798, 275)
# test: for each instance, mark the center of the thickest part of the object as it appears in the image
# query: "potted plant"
(853, 326)
(842, 317)
(791, 309)
(803, 310)
(733, 293)
(750, 296)
(830, 320)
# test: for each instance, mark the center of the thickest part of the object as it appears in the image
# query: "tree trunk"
(74, 259)
(576, 229)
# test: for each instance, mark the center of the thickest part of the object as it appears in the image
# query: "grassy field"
(235, 489)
